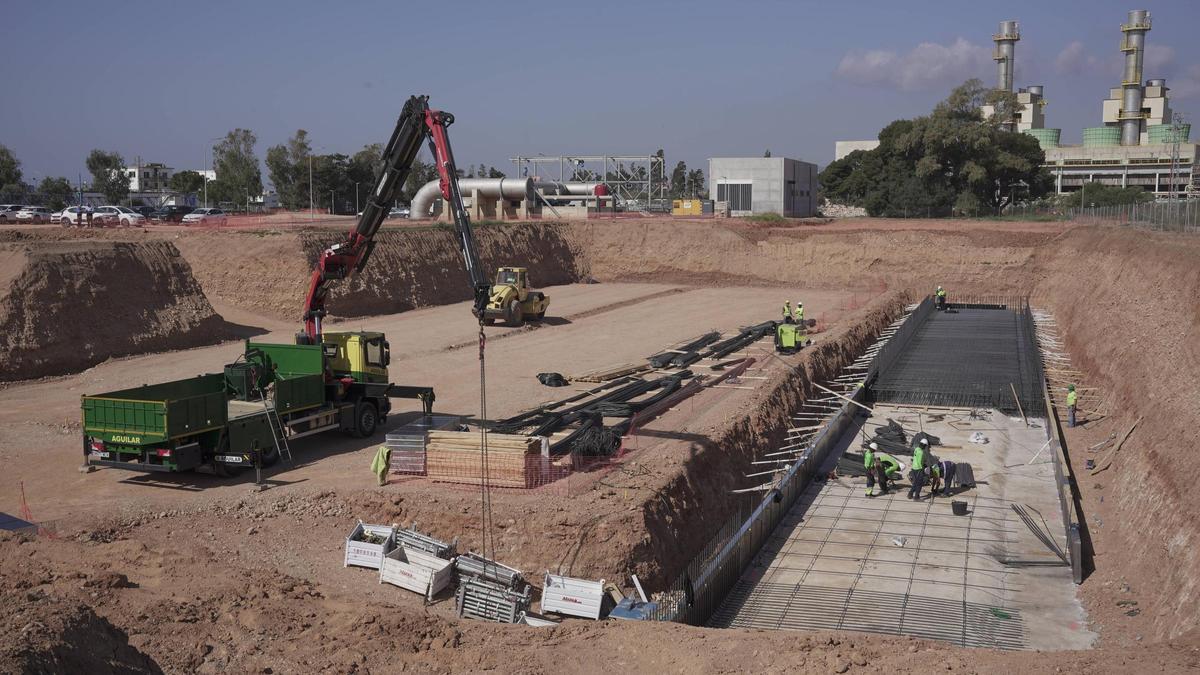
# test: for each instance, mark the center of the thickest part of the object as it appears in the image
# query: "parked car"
(117, 215)
(33, 214)
(8, 212)
(398, 212)
(205, 217)
(146, 211)
(71, 215)
(173, 213)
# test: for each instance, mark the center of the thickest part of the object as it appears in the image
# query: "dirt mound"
(413, 268)
(65, 306)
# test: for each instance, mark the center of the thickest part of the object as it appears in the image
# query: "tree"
(332, 187)
(11, 186)
(56, 193)
(364, 167)
(287, 165)
(420, 174)
(1099, 194)
(767, 153)
(952, 160)
(493, 172)
(108, 175)
(679, 175)
(238, 176)
(696, 185)
(188, 182)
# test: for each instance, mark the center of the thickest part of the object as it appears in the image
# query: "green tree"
(12, 188)
(493, 172)
(108, 175)
(239, 178)
(420, 174)
(56, 193)
(332, 187)
(287, 166)
(928, 165)
(696, 185)
(679, 175)
(188, 182)
(767, 153)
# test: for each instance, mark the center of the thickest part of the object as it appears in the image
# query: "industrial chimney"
(1133, 43)
(1006, 41)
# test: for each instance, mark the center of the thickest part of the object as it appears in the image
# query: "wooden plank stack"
(454, 457)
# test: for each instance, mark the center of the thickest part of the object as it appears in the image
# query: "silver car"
(117, 215)
(8, 212)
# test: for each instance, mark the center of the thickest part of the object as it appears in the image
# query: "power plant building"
(760, 185)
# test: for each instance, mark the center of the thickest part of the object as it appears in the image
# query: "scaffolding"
(638, 182)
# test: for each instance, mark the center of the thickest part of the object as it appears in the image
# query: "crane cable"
(485, 488)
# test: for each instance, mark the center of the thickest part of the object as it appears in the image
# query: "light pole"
(331, 198)
(356, 197)
(311, 215)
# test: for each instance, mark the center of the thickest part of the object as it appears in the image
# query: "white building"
(151, 177)
(757, 185)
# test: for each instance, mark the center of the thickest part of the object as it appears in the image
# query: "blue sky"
(160, 80)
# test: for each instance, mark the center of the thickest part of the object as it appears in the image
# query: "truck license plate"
(100, 455)
(230, 459)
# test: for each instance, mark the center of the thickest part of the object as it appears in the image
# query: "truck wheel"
(516, 317)
(270, 456)
(366, 419)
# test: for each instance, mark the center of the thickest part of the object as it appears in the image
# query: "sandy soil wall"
(1128, 305)
(65, 306)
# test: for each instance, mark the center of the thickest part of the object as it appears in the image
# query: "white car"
(8, 212)
(205, 217)
(117, 215)
(33, 214)
(71, 215)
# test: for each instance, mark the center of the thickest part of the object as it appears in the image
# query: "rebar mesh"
(969, 357)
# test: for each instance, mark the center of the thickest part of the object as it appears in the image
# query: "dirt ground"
(196, 574)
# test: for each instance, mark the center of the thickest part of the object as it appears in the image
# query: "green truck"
(245, 415)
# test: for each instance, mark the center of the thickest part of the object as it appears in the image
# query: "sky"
(163, 80)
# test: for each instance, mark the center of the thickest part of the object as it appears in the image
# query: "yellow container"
(687, 207)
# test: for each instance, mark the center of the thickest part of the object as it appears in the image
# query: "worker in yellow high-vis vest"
(1071, 399)
(787, 312)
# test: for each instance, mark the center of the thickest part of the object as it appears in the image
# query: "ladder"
(278, 433)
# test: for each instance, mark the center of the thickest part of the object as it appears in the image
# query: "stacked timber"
(454, 457)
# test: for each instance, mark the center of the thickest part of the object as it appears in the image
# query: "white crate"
(363, 554)
(416, 571)
(574, 597)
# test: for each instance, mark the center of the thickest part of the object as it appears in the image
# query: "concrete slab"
(954, 578)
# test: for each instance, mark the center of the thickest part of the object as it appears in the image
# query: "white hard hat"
(873, 446)
(924, 441)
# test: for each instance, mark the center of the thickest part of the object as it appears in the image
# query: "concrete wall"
(780, 185)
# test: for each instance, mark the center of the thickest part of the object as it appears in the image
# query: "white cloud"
(926, 66)
(1074, 60)
(1158, 61)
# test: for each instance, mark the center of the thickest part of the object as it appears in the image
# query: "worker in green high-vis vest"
(875, 470)
(917, 475)
(799, 313)
(1071, 398)
(787, 311)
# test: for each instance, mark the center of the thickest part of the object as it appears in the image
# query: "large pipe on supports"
(1006, 42)
(506, 188)
(1134, 46)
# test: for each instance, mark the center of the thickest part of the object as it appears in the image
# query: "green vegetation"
(108, 175)
(187, 181)
(687, 184)
(1098, 194)
(238, 177)
(55, 193)
(950, 161)
(11, 187)
(766, 219)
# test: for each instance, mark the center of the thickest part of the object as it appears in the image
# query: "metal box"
(488, 601)
(416, 571)
(571, 596)
(364, 554)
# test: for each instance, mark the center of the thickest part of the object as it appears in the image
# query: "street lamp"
(356, 209)
(331, 199)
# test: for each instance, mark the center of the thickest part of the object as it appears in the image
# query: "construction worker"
(873, 463)
(942, 473)
(1071, 398)
(799, 313)
(787, 312)
(940, 297)
(916, 475)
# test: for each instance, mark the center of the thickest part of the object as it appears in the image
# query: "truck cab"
(362, 356)
(511, 299)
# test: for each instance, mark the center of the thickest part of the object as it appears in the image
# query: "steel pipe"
(507, 188)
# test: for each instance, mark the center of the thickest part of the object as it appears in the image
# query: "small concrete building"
(758, 185)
